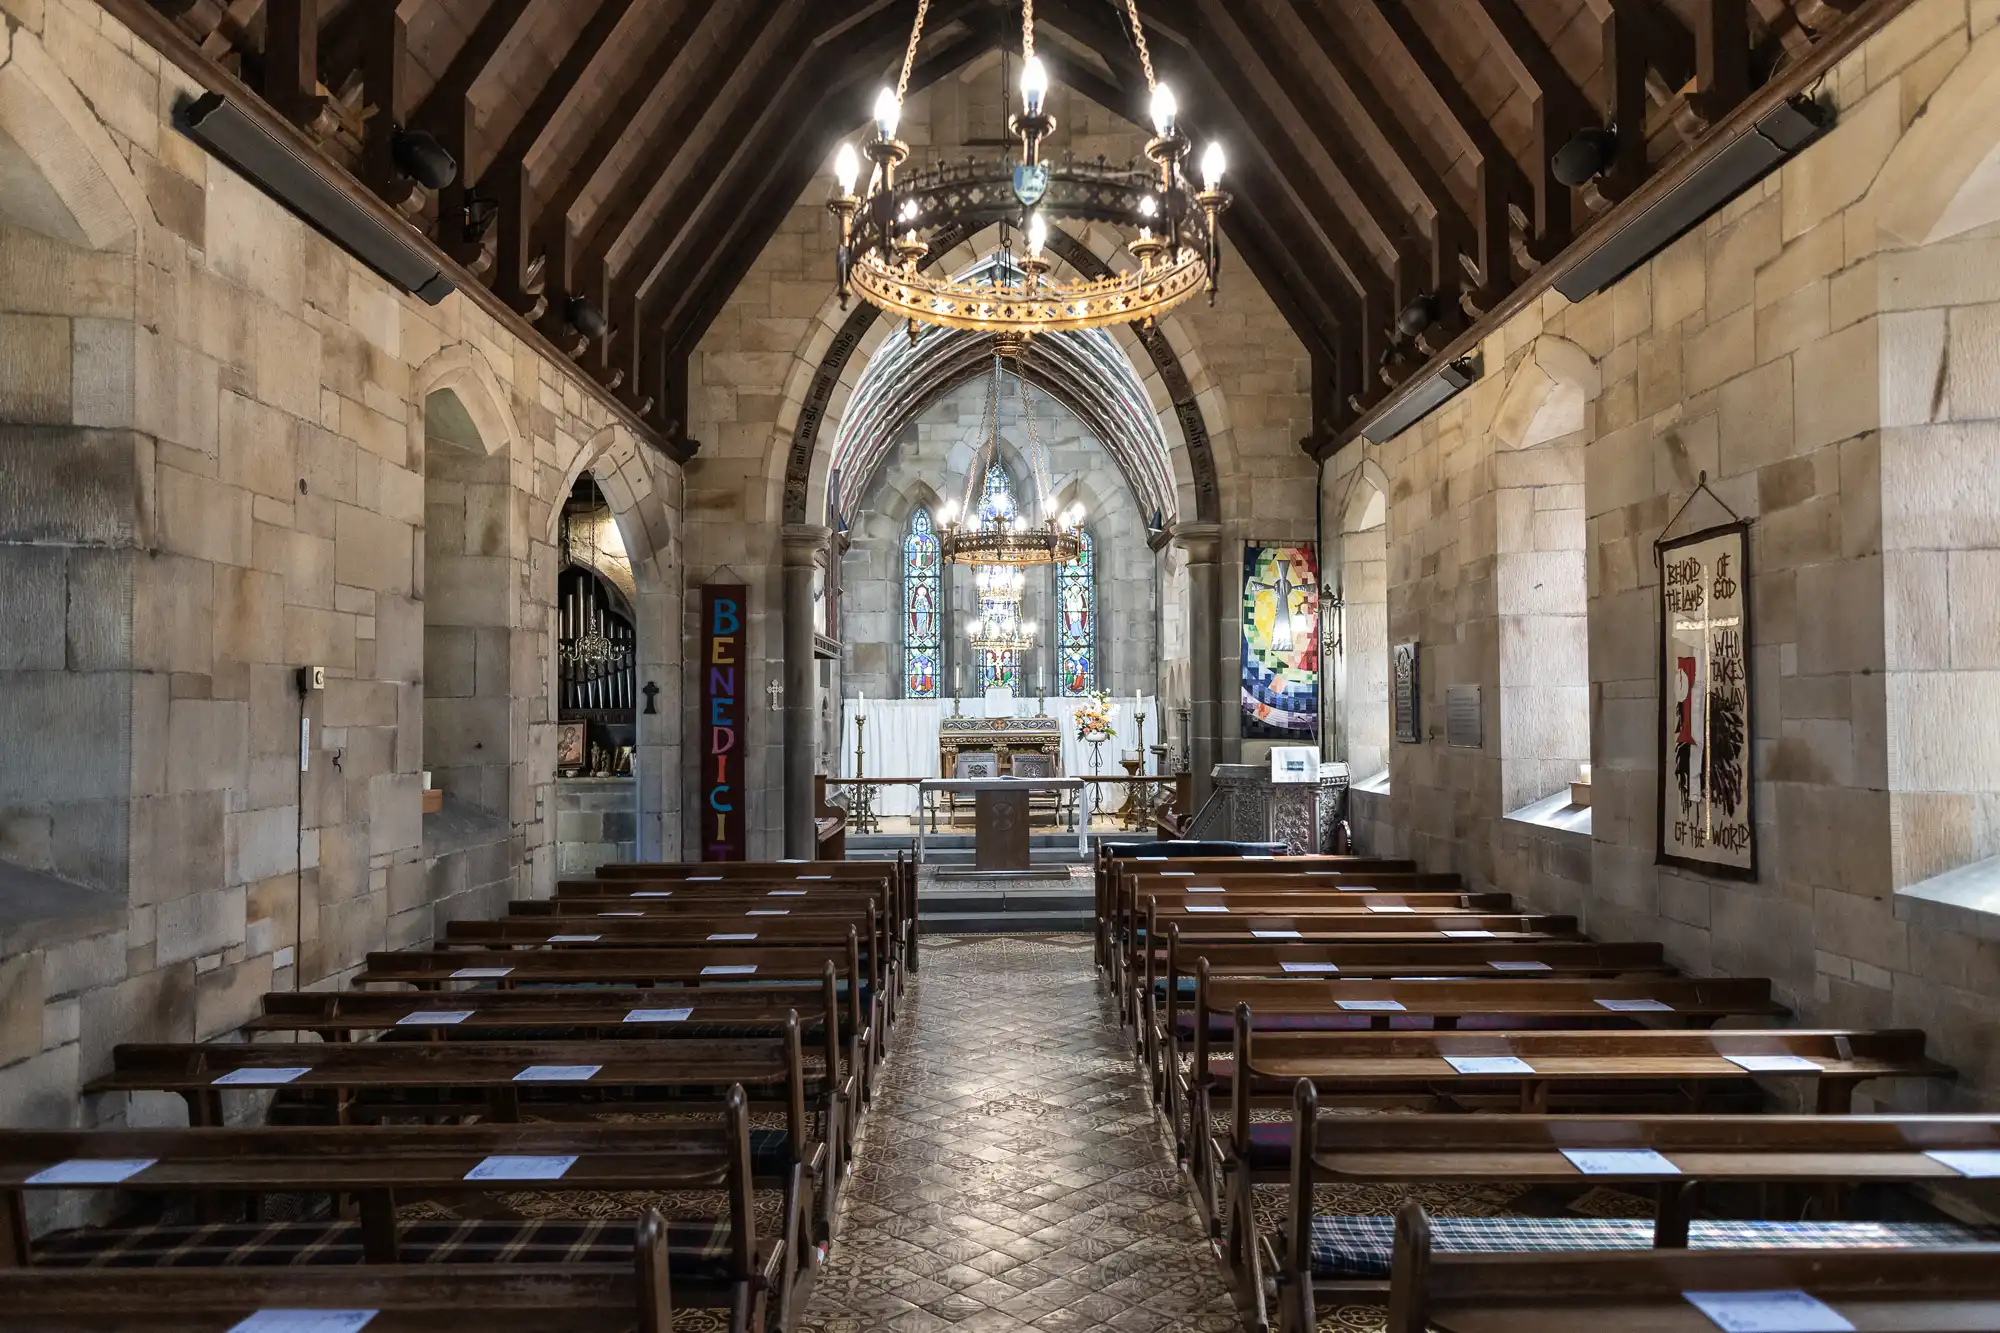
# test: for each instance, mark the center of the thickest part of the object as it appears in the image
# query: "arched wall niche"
(1943, 177)
(1359, 527)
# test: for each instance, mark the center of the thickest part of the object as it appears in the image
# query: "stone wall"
(751, 375)
(213, 450)
(596, 822)
(928, 468)
(1821, 350)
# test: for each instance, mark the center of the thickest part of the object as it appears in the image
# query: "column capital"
(1201, 541)
(804, 542)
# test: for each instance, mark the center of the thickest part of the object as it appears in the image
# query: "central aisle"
(1011, 1175)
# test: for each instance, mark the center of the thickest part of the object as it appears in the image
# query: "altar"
(1001, 819)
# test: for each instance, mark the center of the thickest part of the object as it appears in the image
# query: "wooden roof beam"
(1557, 110)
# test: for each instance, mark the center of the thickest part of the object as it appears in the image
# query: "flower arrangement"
(1093, 719)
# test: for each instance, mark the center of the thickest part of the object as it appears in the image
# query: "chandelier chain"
(1139, 40)
(989, 431)
(910, 52)
(1038, 458)
(1027, 30)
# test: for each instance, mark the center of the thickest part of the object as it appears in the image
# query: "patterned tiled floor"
(1011, 1175)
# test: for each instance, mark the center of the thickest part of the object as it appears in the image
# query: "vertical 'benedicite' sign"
(723, 675)
(1705, 781)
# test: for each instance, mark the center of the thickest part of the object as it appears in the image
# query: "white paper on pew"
(729, 969)
(791, 860)
(658, 1015)
(521, 1168)
(1972, 1163)
(769, 911)
(735, 935)
(653, 893)
(1257, 856)
(1768, 1312)
(621, 914)
(1149, 858)
(91, 1171)
(574, 939)
(1637, 1006)
(812, 877)
(237, 1078)
(1518, 965)
(1425, 978)
(1205, 888)
(557, 1073)
(1467, 934)
(1277, 935)
(1489, 1064)
(1775, 1064)
(1620, 1162)
(1206, 907)
(1390, 907)
(1373, 1006)
(1349, 888)
(1310, 967)
(788, 893)
(1181, 873)
(428, 1017)
(304, 1321)
(704, 879)
(480, 973)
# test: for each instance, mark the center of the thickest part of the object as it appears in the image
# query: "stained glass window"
(998, 667)
(996, 498)
(922, 600)
(1076, 621)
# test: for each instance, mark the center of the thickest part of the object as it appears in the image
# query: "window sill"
(1554, 813)
(38, 909)
(1377, 785)
(1965, 900)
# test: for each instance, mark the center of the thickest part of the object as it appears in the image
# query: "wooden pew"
(439, 970)
(901, 873)
(1111, 866)
(1875, 1290)
(1628, 1072)
(714, 1264)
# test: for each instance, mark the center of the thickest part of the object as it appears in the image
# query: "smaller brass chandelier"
(882, 235)
(971, 537)
(999, 627)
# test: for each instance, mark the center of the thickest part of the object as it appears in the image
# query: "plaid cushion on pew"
(696, 1246)
(1359, 1247)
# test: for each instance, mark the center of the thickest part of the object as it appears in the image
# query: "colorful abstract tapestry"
(1280, 642)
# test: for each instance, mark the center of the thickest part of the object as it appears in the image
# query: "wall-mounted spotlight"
(481, 212)
(422, 158)
(1586, 155)
(586, 318)
(1417, 316)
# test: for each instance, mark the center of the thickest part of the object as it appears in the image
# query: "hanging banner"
(1705, 781)
(1280, 642)
(723, 748)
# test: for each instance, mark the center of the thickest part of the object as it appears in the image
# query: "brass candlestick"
(865, 820)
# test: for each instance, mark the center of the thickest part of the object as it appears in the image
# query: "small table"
(1000, 842)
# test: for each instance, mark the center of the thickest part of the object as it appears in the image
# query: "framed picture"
(1404, 686)
(572, 741)
(1706, 822)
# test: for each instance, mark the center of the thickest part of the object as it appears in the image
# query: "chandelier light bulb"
(888, 113)
(1034, 85)
(950, 511)
(1038, 235)
(846, 168)
(1020, 524)
(1213, 163)
(1165, 110)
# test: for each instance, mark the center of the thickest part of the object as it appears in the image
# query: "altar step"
(974, 908)
(1054, 849)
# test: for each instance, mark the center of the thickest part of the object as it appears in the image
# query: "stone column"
(805, 543)
(1203, 544)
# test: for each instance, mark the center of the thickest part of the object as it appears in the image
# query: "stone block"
(21, 998)
(72, 486)
(1941, 487)
(1837, 380)
(208, 744)
(200, 923)
(1736, 252)
(41, 1091)
(395, 812)
(177, 844)
(230, 996)
(373, 552)
(103, 372)
(203, 518)
(1944, 727)
(66, 738)
(1755, 419)
(258, 452)
(33, 613)
(264, 843)
(35, 369)
(153, 1006)
(1836, 171)
(467, 590)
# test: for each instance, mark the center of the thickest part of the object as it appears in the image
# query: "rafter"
(1556, 109)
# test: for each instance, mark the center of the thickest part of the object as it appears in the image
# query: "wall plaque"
(1404, 686)
(1705, 819)
(723, 745)
(1464, 722)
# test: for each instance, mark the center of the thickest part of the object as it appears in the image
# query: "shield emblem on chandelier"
(1031, 182)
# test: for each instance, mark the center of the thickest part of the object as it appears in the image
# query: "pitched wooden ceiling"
(641, 153)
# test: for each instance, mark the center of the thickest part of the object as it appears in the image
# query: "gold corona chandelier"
(887, 235)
